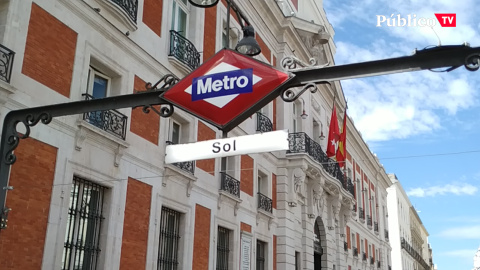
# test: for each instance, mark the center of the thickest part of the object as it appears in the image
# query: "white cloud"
(464, 232)
(455, 189)
(461, 253)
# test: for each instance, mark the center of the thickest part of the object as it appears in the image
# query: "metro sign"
(227, 89)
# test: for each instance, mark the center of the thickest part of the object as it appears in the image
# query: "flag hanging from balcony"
(342, 142)
(333, 134)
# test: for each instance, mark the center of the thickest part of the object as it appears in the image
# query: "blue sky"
(420, 124)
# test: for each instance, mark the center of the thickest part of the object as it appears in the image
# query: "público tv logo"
(222, 84)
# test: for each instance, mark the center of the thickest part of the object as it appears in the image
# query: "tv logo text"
(411, 20)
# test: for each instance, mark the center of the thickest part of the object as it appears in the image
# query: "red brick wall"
(246, 174)
(206, 133)
(209, 31)
(152, 15)
(145, 125)
(349, 241)
(366, 247)
(201, 238)
(22, 243)
(135, 225)
(274, 190)
(358, 243)
(295, 3)
(49, 51)
(274, 252)
(244, 227)
(274, 61)
(265, 50)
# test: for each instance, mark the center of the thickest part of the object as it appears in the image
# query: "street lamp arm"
(431, 58)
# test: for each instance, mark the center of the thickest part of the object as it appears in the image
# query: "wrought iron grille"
(223, 248)
(230, 184)
(364, 256)
(263, 123)
(386, 234)
(345, 246)
(129, 6)
(183, 50)
(372, 261)
(369, 220)
(354, 209)
(264, 202)
(261, 255)
(169, 239)
(355, 252)
(6, 63)
(188, 166)
(300, 142)
(375, 226)
(85, 215)
(351, 187)
(111, 121)
(361, 213)
(378, 264)
(410, 250)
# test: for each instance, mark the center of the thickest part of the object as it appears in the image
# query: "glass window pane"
(175, 133)
(182, 22)
(100, 85)
(174, 12)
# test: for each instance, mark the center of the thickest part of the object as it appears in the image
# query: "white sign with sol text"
(257, 143)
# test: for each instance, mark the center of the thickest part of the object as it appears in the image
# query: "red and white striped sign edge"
(219, 111)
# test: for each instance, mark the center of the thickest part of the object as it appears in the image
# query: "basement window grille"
(85, 214)
(169, 239)
(223, 248)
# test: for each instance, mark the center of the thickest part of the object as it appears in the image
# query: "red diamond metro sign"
(227, 89)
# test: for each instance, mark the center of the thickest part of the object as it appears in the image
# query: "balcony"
(364, 256)
(188, 166)
(130, 7)
(372, 261)
(263, 123)
(361, 214)
(6, 63)
(264, 203)
(389, 267)
(345, 246)
(378, 264)
(369, 221)
(300, 143)
(386, 234)
(183, 50)
(375, 227)
(355, 252)
(410, 250)
(230, 184)
(111, 121)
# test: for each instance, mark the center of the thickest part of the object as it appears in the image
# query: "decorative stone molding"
(224, 197)
(265, 215)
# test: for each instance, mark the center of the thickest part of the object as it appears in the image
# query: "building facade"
(410, 247)
(92, 191)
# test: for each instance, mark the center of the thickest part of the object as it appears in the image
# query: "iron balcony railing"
(264, 203)
(355, 252)
(386, 234)
(345, 246)
(364, 256)
(378, 264)
(389, 267)
(410, 250)
(369, 220)
(111, 121)
(129, 6)
(372, 261)
(354, 209)
(263, 123)
(300, 143)
(230, 184)
(183, 50)
(375, 226)
(361, 213)
(188, 166)
(6, 63)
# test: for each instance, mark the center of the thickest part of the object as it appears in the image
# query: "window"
(223, 248)
(261, 247)
(180, 17)
(175, 129)
(298, 264)
(85, 215)
(98, 83)
(232, 39)
(262, 183)
(169, 239)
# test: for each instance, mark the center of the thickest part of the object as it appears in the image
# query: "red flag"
(342, 143)
(333, 134)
